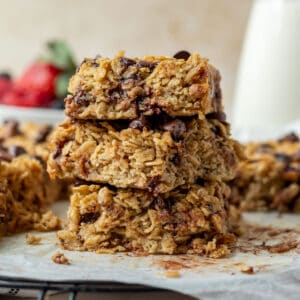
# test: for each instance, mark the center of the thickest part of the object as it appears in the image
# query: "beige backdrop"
(215, 28)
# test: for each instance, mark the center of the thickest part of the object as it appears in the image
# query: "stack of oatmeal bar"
(147, 144)
(25, 187)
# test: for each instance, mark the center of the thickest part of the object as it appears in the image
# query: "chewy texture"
(123, 88)
(192, 219)
(270, 177)
(25, 191)
(156, 160)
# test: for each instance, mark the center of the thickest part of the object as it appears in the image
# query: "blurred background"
(215, 28)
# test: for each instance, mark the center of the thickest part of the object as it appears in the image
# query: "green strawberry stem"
(60, 55)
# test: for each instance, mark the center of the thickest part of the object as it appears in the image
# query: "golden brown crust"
(149, 159)
(269, 178)
(123, 88)
(191, 219)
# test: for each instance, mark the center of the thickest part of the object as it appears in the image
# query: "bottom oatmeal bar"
(270, 177)
(192, 219)
(25, 191)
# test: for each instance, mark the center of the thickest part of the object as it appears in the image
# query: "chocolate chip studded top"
(125, 88)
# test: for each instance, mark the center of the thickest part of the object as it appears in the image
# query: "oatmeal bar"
(156, 157)
(29, 136)
(270, 177)
(190, 219)
(124, 88)
(25, 191)
(32, 139)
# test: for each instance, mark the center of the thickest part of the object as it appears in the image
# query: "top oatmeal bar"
(124, 88)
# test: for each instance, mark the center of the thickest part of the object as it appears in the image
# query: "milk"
(268, 83)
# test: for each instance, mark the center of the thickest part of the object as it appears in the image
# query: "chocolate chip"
(176, 127)
(281, 157)
(43, 134)
(218, 98)
(200, 181)
(94, 62)
(39, 159)
(127, 61)
(176, 159)
(157, 203)
(139, 123)
(58, 150)
(89, 218)
(117, 124)
(128, 83)
(264, 148)
(146, 64)
(220, 116)
(154, 182)
(291, 137)
(116, 94)
(182, 55)
(81, 99)
(4, 155)
(15, 151)
(11, 128)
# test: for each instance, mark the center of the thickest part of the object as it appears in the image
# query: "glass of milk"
(268, 83)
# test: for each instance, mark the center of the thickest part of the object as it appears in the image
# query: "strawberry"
(5, 84)
(25, 98)
(43, 82)
(41, 78)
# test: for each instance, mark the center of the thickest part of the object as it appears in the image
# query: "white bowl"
(37, 115)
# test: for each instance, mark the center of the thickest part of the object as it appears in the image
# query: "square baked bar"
(269, 179)
(154, 155)
(124, 88)
(25, 192)
(191, 219)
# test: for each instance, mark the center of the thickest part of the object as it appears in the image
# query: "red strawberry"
(5, 84)
(40, 77)
(25, 98)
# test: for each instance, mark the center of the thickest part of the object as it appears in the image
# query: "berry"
(5, 84)
(40, 77)
(25, 98)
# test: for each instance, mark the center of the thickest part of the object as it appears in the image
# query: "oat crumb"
(172, 274)
(60, 258)
(33, 239)
(247, 270)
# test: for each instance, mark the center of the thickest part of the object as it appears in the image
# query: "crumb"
(283, 247)
(60, 258)
(33, 239)
(172, 274)
(247, 270)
